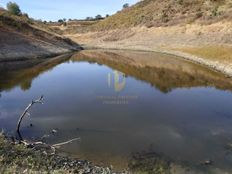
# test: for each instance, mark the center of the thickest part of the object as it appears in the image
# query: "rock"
(45, 153)
(207, 162)
(54, 131)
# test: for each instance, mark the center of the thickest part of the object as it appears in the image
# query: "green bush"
(13, 8)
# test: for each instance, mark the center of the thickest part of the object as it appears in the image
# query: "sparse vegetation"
(220, 53)
(155, 13)
(17, 158)
(215, 11)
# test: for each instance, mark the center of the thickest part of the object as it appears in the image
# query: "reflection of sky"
(76, 9)
(6, 114)
(173, 123)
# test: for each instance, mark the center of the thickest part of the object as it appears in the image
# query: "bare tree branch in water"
(38, 144)
(64, 143)
(26, 112)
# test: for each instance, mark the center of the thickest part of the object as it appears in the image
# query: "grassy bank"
(17, 158)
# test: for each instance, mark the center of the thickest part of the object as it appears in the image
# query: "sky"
(74, 9)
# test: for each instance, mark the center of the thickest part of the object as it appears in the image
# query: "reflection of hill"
(22, 74)
(161, 71)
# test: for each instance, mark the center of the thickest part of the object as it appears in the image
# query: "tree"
(98, 17)
(125, 6)
(107, 16)
(60, 21)
(88, 18)
(13, 8)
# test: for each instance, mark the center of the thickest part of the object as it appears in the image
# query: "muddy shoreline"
(217, 66)
(17, 157)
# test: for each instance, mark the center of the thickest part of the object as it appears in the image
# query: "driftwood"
(64, 143)
(26, 111)
(39, 143)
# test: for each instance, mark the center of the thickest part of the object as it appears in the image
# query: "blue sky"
(54, 10)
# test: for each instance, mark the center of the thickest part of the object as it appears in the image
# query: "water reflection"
(161, 71)
(164, 72)
(12, 75)
(179, 108)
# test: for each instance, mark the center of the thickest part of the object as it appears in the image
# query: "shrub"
(13, 8)
(215, 11)
(60, 21)
(98, 17)
(125, 6)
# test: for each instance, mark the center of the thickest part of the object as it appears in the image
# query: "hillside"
(155, 13)
(23, 38)
(196, 30)
(75, 26)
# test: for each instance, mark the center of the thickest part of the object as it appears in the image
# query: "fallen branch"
(36, 144)
(26, 111)
(41, 145)
(64, 143)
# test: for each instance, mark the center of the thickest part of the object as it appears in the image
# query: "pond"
(121, 103)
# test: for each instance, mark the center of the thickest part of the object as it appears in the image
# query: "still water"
(121, 103)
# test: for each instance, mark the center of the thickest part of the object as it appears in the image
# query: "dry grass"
(154, 13)
(215, 53)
